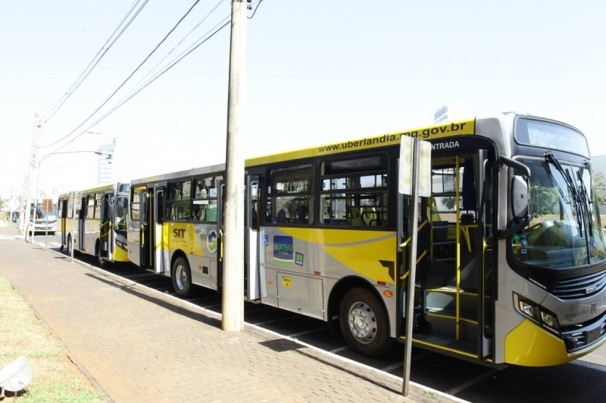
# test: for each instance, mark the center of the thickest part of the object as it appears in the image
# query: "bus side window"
(289, 196)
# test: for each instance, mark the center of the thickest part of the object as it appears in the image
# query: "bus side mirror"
(519, 197)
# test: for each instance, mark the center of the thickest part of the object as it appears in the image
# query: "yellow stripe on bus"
(442, 130)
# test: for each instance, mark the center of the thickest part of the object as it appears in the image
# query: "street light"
(31, 222)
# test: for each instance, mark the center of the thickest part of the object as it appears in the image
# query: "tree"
(599, 187)
(543, 201)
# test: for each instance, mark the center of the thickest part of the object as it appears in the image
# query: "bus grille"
(581, 286)
(576, 339)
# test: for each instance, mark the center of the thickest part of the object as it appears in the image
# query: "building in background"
(451, 111)
(105, 166)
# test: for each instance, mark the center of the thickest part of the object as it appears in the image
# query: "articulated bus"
(511, 259)
(95, 219)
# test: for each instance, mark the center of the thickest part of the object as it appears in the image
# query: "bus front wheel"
(69, 245)
(100, 260)
(182, 278)
(364, 323)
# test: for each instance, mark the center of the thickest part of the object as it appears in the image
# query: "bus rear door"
(161, 254)
(81, 237)
(251, 240)
(145, 234)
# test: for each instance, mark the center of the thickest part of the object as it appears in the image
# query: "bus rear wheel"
(182, 278)
(364, 323)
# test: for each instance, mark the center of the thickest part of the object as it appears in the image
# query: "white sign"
(407, 164)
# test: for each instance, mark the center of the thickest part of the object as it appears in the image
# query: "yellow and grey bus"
(174, 226)
(95, 219)
(511, 259)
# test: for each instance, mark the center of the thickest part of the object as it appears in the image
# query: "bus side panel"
(134, 241)
(198, 242)
(299, 266)
(91, 235)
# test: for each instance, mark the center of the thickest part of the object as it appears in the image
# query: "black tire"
(69, 245)
(181, 275)
(101, 262)
(364, 323)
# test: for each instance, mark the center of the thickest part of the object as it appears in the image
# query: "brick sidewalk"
(145, 346)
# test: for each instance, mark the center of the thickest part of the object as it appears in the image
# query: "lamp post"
(37, 169)
(32, 165)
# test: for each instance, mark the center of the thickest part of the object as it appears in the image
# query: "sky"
(317, 72)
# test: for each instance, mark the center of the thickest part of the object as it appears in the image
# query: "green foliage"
(66, 391)
(55, 377)
(449, 203)
(599, 187)
(543, 201)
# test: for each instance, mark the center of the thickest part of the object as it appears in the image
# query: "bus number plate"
(593, 335)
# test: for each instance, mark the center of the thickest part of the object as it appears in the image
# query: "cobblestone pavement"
(145, 346)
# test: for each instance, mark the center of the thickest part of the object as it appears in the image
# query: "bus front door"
(81, 236)
(63, 216)
(105, 227)
(453, 308)
(145, 235)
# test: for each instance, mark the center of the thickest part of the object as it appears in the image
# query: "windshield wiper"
(585, 200)
(572, 188)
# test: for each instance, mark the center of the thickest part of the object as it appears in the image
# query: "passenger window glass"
(354, 192)
(205, 199)
(290, 198)
(178, 201)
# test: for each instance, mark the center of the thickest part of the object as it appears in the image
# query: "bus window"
(121, 209)
(354, 192)
(290, 196)
(97, 206)
(90, 212)
(135, 204)
(178, 201)
(205, 199)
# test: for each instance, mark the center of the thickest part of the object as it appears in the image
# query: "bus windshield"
(564, 229)
(544, 134)
(121, 214)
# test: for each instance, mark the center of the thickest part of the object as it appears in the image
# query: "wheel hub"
(362, 322)
(181, 277)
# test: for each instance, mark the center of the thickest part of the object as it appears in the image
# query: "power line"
(250, 17)
(217, 28)
(125, 81)
(207, 36)
(95, 61)
(182, 40)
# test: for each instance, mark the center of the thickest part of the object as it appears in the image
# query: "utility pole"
(233, 259)
(29, 178)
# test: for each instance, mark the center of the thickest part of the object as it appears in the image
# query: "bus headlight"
(536, 313)
(549, 319)
(526, 308)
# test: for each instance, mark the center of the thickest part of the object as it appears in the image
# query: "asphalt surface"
(142, 345)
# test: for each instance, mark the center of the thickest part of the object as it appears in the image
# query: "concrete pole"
(233, 260)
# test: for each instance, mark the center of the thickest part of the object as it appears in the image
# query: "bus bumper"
(530, 346)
